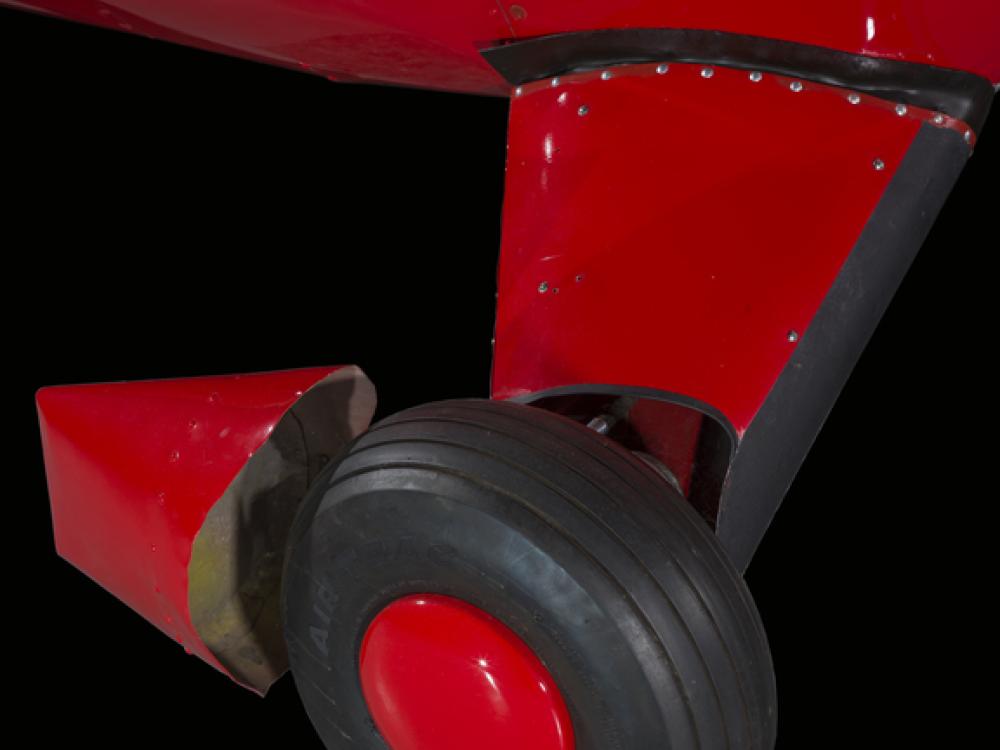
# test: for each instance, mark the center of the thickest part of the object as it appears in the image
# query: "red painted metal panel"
(678, 231)
(439, 673)
(435, 44)
(670, 434)
(134, 468)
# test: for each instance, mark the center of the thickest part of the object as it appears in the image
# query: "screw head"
(793, 336)
(543, 287)
(607, 75)
(756, 76)
(662, 68)
(707, 72)
(854, 98)
(795, 86)
(599, 425)
(554, 82)
(579, 278)
(900, 109)
(939, 119)
(879, 165)
(518, 91)
(584, 109)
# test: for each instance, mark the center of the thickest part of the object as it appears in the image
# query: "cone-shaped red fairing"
(175, 495)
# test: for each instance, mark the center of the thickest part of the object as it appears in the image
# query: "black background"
(168, 212)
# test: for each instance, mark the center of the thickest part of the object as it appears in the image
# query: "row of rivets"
(756, 76)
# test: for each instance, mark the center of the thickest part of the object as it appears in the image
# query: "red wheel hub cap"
(440, 674)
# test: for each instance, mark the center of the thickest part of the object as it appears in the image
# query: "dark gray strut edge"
(780, 436)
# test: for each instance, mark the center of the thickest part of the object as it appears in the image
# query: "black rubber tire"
(597, 563)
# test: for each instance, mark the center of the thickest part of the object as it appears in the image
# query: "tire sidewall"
(368, 547)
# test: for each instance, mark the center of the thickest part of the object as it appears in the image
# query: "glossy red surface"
(435, 44)
(439, 673)
(681, 228)
(134, 468)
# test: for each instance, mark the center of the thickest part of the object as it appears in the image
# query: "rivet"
(939, 119)
(584, 109)
(879, 165)
(968, 136)
(793, 336)
(543, 287)
(795, 86)
(662, 68)
(707, 72)
(756, 76)
(900, 109)
(854, 99)
(554, 82)
(518, 91)
(607, 75)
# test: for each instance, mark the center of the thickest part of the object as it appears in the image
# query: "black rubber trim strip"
(962, 95)
(778, 439)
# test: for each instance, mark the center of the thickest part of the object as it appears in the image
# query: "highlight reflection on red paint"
(439, 673)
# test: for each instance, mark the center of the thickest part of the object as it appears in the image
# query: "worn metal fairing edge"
(784, 429)
(965, 96)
